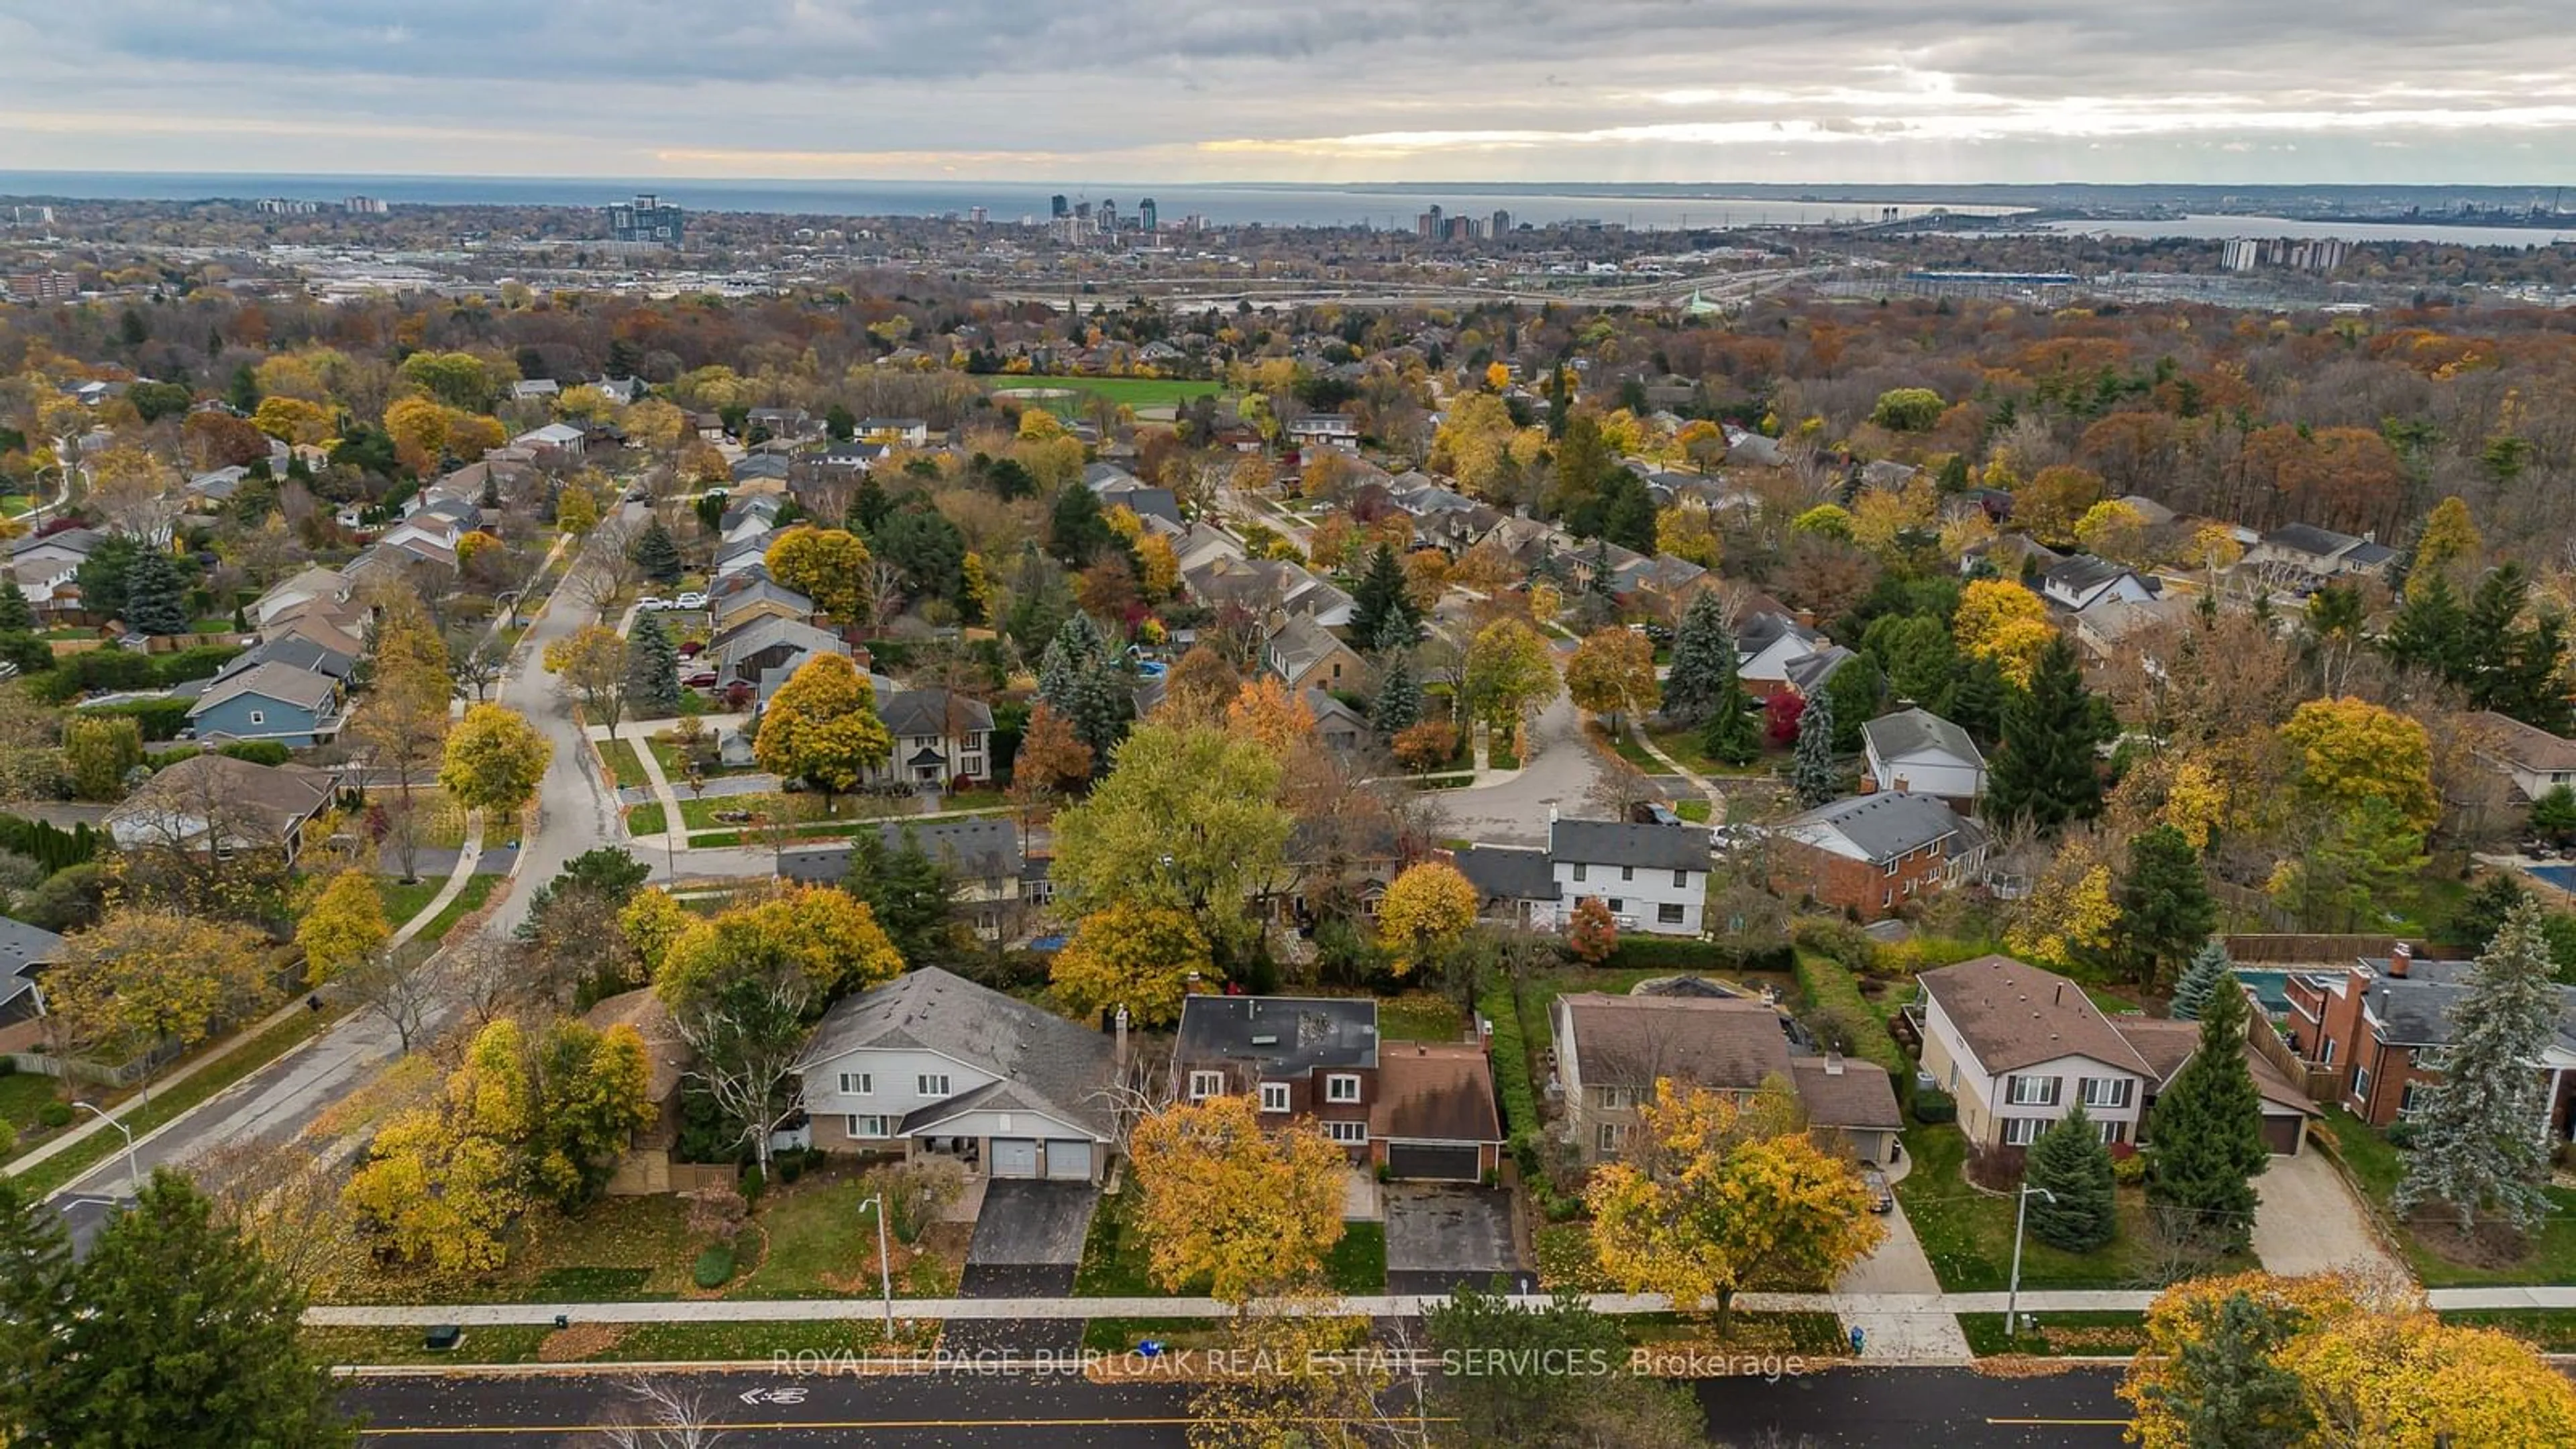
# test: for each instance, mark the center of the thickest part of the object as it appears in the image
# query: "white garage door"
(1069, 1158)
(1015, 1157)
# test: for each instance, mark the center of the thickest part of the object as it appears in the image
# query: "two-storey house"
(939, 736)
(1873, 854)
(1915, 751)
(2381, 1023)
(983, 856)
(931, 1063)
(1654, 878)
(1421, 1109)
(294, 707)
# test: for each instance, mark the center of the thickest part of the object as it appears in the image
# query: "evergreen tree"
(242, 392)
(2226, 1386)
(2478, 1139)
(1077, 531)
(2165, 909)
(1627, 511)
(652, 670)
(2209, 969)
(1811, 768)
(1380, 607)
(2208, 1133)
(1703, 664)
(658, 554)
(1974, 701)
(155, 599)
(35, 1297)
(1732, 735)
(179, 1333)
(1855, 694)
(910, 893)
(16, 617)
(2070, 1161)
(1083, 680)
(2430, 631)
(2045, 770)
(869, 507)
(1398, 705)
(840, 422)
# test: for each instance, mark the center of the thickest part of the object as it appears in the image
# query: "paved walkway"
(655, 780)
(466, 860)
(1696, 780)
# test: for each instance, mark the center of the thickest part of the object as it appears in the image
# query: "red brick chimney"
(2400, 956)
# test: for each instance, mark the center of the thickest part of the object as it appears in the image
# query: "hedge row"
(160, 719)
(1511, 1050)
(1680, 953)
(50, 845)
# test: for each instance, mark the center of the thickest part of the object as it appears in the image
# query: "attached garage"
(1068, 1159)
(1434, 1161)
(1014, 1157)
(2284, 1132)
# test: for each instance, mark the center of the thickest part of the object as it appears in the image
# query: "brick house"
(2375, 1024)
(1423, 1110)
(1874, 854)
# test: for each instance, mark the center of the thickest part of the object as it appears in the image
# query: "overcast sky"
(2426, 91)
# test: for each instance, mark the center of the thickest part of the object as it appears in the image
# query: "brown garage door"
(1438, 1161)
(2281, 1134)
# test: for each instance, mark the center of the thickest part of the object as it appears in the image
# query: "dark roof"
(1912, 731)
(1284, 1036)
(1760, 630)
(1046, 1063)
(1435, 1092)
(2415, 1009)
(295, 652)
(927, 712)
(1839, 1092)
(23, 947)
(1878, 827)
(1506, 872)
(976, 848)
(1808, 672)
(2309, 539)
(1616, 842)
(2012, 1014)
(2083, 573)
(1726, 1042)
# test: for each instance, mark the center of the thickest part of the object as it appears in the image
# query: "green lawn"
(234, 1063)
(402, 902)
(22, 1096)
(1418, 1016)
(818, 1238)
(1128, 391)
(1121, 1335)
(645, 820)
(478, 889)
(2549, 1330)
(631, 1343)
(1683, 745)
(2058, 1334)
(1829, 985)
(2378, 1166)
(1694, 811)
(618, 1249)
(1114, 1253)
(675, 768)
(623, 764)
(1968, 1234)
(1357, 1264)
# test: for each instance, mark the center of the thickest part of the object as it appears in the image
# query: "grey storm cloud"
(1323, 87)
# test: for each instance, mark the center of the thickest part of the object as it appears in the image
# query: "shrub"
(1386, 1172)
(55, 1114)
(8, 1066)
(160, 719)
(8, 1139)
(1838, 941)
(199, 663)
(2401, 1135)
(1682, 954)
(1563, 1209)
(1998, 1169)
(916, 1193)
(754, 1183)
(714, 1267)
(258, 752)
(1934, 1108)
(2129, 1169)
(1525, 1152)
(1511, 1055)
(790, 1165)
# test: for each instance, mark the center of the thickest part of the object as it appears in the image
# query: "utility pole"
(2012, 1294)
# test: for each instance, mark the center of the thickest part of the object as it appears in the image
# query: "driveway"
(1028, 1241)
(1514, 812)
(1440, 1237)
(1899, 1268)
(2308, 1223)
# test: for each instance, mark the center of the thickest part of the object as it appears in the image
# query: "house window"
(931, 1084)
(1668, 914)
(1609, 1137)
(1581, 871)
(1341, 1087)
(259, 716)
(2107, 1091)
(1627, 872)
(1274, 1096)
(1349, 1134)
(1617, 905)
(2325, 1052)
(2021, 1131)
(2406, 1098)
(2361, 1084)
(1204, 1085)
(1890, 868)
(2115, 1131)
(865, 1128)
(858, 1084)
(2031, 1091)
(1610, 1099)
(1681, 880)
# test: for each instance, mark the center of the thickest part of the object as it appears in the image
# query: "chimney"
(1833, 1064)
(2059, 999)
(1118, 1052)
(2400, 956)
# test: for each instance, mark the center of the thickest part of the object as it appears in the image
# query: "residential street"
(962, 1408)
(1514, 812)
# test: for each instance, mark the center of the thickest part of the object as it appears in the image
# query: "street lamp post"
(885, 1264)
(2021, 1215)
(133, 1173)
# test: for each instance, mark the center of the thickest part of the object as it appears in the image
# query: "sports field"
(1132, 391)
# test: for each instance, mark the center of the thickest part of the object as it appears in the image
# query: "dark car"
(1880, 1199)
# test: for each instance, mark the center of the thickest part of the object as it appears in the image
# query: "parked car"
(699, 679)
(1880, 1199)
(1647, 812)
(691, 648)
(652, 604)
(690, 600)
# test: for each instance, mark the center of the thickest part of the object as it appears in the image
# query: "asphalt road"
(969, 1410)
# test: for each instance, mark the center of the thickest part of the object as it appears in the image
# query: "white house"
(1917, 750)
(1654, 878)
(931, 1063)
(2084, 581)
(2018, 1047)
(2534, 759)
(1766, 644)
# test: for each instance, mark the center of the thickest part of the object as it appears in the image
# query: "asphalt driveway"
(1028, 1241)
(1440, 1237)
(2307, 1221)
(1514, 812)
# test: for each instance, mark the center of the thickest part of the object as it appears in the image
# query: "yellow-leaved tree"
(822, 727)
(1713, 1196)
(2350, 750)
(1426, 915)
(1227, 1203)
(1613, 673)
(830, 936)
(148, 976)
(1134, 955)
(1265, 713)
(827, 565)
(344, 925)
(2004, 622)
(493, 761)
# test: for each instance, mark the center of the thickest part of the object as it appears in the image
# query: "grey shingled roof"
(1046, 1063)
(1505, 872)
(1616, 842)
(926, 712)
(1809, 672)
(980, 848)
(1881, 826)
(1912, 731)
(304, 688)
(2309, 539)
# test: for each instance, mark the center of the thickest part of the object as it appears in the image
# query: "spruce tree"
(2165, 909)
(1083, 680)
(1811, 768)
(1398, 705)
(1703, 663)
(1380, 608)
(2478, 1131)
(2226, 1386)
(658, 554)
(1732, 736)
(2070, 1161)
(181, 1333)
(2208, 1133)
(2045, 770)
(652, 670)
(16, 617)
(155, 600)
(2209, 968)
(35, 1296)
(910, 893)
(1974, 701)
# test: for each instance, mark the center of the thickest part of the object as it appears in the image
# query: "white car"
(691, 600)
(649, 604)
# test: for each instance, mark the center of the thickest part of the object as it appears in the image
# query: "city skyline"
(1853, 92)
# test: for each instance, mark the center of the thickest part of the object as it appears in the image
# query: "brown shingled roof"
(2012, 1014)
(1730, 1044)
(2167, 1044)
(1434, 1092)
(1845, 1093)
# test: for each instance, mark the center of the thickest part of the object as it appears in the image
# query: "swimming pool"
(2561, 876)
